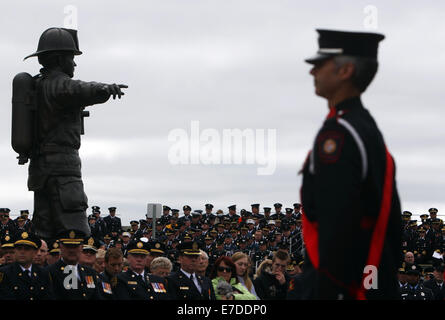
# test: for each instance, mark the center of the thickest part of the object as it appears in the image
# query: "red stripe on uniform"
(332, 113)
(378, 236)
(310, 229)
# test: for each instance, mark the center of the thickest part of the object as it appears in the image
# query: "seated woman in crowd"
(225, 281)
(242, 264)
(161, 267)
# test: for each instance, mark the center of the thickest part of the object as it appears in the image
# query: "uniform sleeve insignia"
(329, 146)
(24, 235)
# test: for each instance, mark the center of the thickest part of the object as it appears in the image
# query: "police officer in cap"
(113, 223)
(83, 282)
(349, 194)
(7, 248)
(23, 280)
(414, 290)
(185, 284)
(208, 212)
(6, 224)
(60, 202)
(136, 283)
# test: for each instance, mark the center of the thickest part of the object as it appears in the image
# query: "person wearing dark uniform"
(70, 280)
(351, 208)
(113, 223)
(414, 290)
(23, 280)
(114, 260)
(7, 248)
(60, 202)
(6, 224)
(437, 283)
(185, 284)
(136, 283)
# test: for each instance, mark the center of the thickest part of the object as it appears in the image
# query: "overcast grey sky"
(229, 65)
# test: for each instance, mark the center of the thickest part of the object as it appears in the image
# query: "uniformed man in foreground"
(23, 280)
(185, 284)
(136, 283)
(70, 280)
(351, 208)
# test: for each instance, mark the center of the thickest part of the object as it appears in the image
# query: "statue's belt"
(58, 149)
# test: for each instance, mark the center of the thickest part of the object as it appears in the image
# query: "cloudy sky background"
(228, 64)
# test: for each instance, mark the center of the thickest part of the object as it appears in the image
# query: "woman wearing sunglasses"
(225, 281)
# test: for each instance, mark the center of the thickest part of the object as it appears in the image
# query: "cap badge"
(55, 245)
(139, 245)
(157, 245)
(7, 238)
(90, 241)
(72, 234)
(195, 246)
(24, 235)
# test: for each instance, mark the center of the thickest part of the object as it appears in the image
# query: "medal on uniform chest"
(90, 282)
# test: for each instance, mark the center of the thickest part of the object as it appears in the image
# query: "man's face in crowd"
(327, 77)
(137, 261)
(202, 264)
(24, 254)
(42, 252)
(114, 265)
(8, 255)
(409, 257)
(188, 262)
(70, 253)
(87, 257)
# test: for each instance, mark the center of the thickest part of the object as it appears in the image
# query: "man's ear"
(346, 71)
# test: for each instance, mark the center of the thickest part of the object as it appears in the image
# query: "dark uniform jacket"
(438, 291)
(88, 286)
(114, 224)
(107, 285)
(418, 292)
(130, 286)
(352, 215)
(16, 285)
(181, 287)
(268, 287)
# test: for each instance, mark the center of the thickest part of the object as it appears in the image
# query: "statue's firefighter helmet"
(57, 39)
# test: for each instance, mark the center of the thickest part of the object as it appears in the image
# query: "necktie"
(27, 274)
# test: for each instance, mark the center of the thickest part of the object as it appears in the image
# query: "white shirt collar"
(188, 274)
(29, 269)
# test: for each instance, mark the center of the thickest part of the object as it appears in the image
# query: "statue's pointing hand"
(115, 90)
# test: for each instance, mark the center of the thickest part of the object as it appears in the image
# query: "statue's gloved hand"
(115, 90)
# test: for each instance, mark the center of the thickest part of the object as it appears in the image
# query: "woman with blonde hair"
(242, 263)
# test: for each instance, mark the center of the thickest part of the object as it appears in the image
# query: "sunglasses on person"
(222, 269)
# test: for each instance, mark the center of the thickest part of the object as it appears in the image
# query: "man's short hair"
(282, 255)
(161, 262)
(365, 69)
(114, 253)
